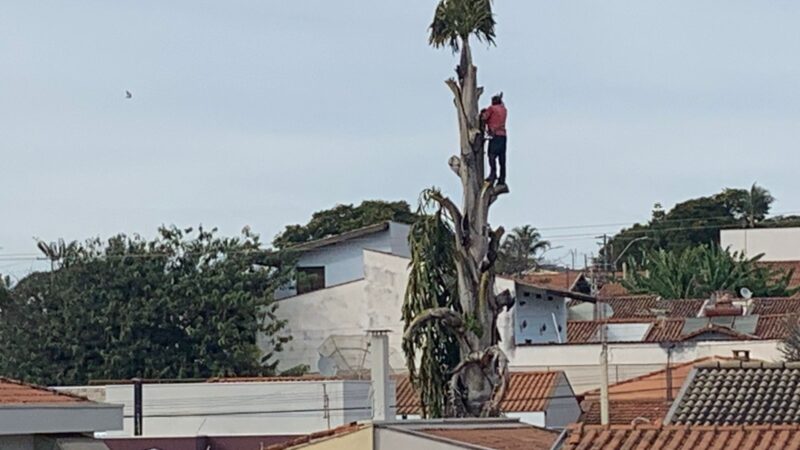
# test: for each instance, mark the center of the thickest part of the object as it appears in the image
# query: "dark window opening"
(310, 279)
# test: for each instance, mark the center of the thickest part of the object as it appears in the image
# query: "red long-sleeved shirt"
(495, 118)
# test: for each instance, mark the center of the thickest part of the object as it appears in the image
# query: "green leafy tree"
(477, 384)
(520, 249)
(343, 218)
(697, 272)
(693, 222)
(186, 304)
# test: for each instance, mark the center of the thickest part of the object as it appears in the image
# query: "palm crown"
(456, 19)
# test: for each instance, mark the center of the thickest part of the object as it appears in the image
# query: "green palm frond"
(458, 19)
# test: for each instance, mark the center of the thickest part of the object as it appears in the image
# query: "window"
(310, 279)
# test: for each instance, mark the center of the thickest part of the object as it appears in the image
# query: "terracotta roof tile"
(636, 306)
(309, 438)
(642, 397)
(527, 391)
(772, 326)
(794, 266)
(625, 412)
(500, 438)
(778, 305)
(13, 392)
(613, 289)
(560, 281)
(663, 437)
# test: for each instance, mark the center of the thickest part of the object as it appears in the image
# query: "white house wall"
(219, 409)
(581, 362)
(314, 316)
(350, 309)
(343, 261)
(777, 244)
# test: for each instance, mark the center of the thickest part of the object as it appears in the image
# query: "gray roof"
(346, 236)
(737, 392)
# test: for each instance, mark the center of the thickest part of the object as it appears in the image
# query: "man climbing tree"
(495, 119)
(446, 316)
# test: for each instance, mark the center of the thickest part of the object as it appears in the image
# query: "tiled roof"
(772, 326)
(507, 438)
(735, 392)
(560, 281)
(625, 412)
(635, 306)
(673, 437)
(641, 398)
(776, 305)
(613, 289)
(305, 440)
(527, 392)
(13, 392)
(794, 281)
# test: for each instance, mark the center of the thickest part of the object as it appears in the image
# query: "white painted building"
(328, 326)
(338, 260)
(248, 407)
(777, 244)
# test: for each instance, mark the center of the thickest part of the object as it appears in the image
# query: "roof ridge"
(697, 361)
(43, 388)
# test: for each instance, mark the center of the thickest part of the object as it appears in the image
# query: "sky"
(261, 112)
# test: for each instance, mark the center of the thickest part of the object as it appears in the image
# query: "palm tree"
(477, 384)
(520, 251)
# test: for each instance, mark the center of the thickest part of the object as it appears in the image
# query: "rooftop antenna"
(746, 294)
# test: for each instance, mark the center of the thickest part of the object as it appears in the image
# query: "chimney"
(381, 395)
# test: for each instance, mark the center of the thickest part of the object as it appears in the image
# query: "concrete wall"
(777, 244)
(539, 317)
(246, 408)
(313, 317)
(351, 309)
(16, 442)
(563, 408)
(581, 362)
(399, 239)
(537, 418)
(357, 440)
(387, 439)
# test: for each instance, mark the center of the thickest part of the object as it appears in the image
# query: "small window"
(310, 279)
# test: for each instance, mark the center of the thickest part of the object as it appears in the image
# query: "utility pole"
(603, 368)
(604, 413)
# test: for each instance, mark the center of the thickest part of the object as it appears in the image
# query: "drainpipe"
(379, 349)
(137, 407)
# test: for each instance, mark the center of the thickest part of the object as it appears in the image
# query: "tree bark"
(479, 383)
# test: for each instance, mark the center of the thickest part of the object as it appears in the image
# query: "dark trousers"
(497, 151)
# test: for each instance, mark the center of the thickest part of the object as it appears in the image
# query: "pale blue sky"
(260, 112)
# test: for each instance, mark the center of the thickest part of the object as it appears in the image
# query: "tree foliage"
(432, 284)
(456, 20)
(343, 218)
(186, 304)
(520, 251)
(694, 222)
(697, 272)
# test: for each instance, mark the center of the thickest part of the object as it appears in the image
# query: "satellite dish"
(746, 293)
